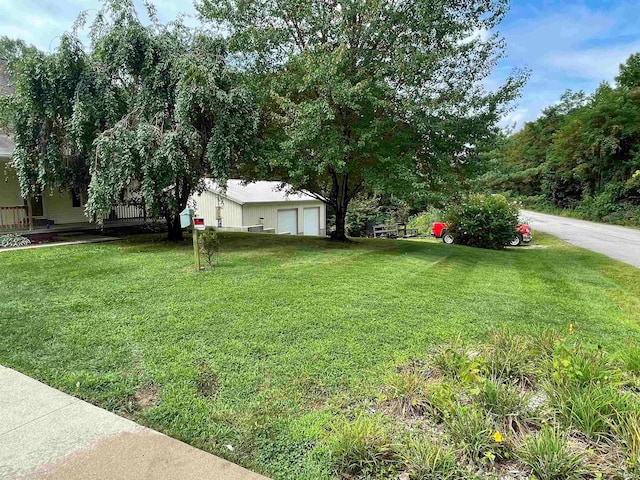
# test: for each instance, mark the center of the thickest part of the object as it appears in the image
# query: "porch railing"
(126, 212)
(14, 217)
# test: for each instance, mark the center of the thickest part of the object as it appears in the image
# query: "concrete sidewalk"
(45, 433)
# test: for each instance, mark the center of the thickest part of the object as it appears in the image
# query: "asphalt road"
(616, 242)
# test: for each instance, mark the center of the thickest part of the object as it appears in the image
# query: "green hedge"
(485, 221)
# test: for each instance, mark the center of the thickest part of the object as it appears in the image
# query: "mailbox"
(185, 217)
(198, 223)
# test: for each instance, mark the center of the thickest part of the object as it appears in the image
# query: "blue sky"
(566, 44)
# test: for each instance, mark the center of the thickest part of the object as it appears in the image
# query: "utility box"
(185, 217)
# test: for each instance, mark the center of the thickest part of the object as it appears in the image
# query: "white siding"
(237, 216)
(9, 188)
(269, 212)
(205, 206)
(59, 208)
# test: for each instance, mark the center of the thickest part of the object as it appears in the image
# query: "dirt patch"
(207, 383)
(147, 396)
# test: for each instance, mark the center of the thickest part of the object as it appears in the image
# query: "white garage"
(287, 221)
(311, 218)
(260, 206)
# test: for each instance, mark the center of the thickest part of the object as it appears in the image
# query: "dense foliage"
(368, 96)
(485, 221)
(141, 116)
(582, 154)
(423, 221)
(366, 211)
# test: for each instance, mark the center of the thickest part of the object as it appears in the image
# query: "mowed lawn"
(289, 334)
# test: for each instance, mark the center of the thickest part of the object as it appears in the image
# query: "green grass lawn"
(289, 334)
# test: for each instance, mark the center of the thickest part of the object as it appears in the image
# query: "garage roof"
(259, 192)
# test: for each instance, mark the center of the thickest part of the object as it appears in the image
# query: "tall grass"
(425, 459)
(474, 434)
(549, 457)
(361, 447)
(508, 405)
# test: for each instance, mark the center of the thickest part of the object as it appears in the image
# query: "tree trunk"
(340, 233)
(339, 202)
(173, 227)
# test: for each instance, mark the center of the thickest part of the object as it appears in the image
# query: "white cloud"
(567, 45)
(517, 117)
(479, 33)
(599, 64)
(42, 22)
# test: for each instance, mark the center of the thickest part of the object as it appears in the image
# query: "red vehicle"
(523, 234)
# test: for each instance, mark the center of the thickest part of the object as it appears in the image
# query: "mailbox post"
(186, 220)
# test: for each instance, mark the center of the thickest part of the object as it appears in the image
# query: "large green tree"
(140, 116)
(368, 95)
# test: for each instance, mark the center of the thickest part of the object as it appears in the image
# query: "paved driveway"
(616, 242)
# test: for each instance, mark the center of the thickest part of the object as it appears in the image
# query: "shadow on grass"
(271, 245)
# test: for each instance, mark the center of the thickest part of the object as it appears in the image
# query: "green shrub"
(423, 221)
(411, 394)
(485, 221)
(451, 361)
(543, 343)
(427, 460)
(604, 204)
(549, 457)
(209, 246)
(361, 447)
(442, 400)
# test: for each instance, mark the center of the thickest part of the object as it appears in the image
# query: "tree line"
(582, 154)
(336, 99)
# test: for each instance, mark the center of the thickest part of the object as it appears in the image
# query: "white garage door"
(312, 221)
(288, 221)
